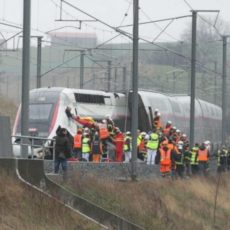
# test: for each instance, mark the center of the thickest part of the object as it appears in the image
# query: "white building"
(81, 40)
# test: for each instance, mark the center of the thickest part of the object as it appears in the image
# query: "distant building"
(4, 45)
(81, 40)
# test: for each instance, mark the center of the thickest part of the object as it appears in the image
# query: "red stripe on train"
(54, 118)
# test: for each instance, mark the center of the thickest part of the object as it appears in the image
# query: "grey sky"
(45, 12)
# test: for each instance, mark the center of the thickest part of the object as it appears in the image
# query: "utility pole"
(193, 73)
(193, 78)
(215, 82)
(224, 73)
(39, 59)
(109, 76)
(25, 75)
(82, 63)
(115, 79)
(124, 79)
(134, 112)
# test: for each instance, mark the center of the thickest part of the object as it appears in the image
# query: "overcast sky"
(45, 12)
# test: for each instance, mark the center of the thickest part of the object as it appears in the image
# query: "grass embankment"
(24, 208)
(161, 203)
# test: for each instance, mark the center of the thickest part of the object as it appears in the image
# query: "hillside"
(161, 203)
(23, 208)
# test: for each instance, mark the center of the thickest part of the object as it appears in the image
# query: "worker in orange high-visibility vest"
(157, 120)
(203, 158)
(77, 144)
(103, 134)
(165, 157)
(119, 140)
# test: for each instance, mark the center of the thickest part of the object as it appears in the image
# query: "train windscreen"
(40, 116)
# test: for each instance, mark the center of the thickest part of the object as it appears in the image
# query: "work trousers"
(203, 167)
(127, 156)
(179, 170)
(194, 169)
(151, 154)
(62, 162)
(85, 156)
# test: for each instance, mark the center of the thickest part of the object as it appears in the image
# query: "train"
(47, 111)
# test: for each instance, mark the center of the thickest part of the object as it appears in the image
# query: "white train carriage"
(177, 109)
(47, 111)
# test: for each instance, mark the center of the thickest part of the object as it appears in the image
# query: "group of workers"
(165, 145)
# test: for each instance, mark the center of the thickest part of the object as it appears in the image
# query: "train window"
(40, 111)
(89, 98)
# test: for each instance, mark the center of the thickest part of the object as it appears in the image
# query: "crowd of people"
(164, 145)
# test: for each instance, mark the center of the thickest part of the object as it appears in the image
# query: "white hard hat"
(169, 122)
(156, 110)
(180, 143)
(128, 133)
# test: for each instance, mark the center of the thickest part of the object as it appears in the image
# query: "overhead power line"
(56, 67)
(213, 25)
(96, 19)
(154, 21)
(162, 31)
(130, 35)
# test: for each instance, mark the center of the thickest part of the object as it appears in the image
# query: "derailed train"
(47, 111)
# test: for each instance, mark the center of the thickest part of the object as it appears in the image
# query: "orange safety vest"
(77, 143)
(103, 131)
(203, 155)
(165, 157)
(142, 147)
(171, 146)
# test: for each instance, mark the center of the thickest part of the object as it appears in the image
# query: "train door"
(143, 119)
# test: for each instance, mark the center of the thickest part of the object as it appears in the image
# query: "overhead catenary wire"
(159, 27)
(6, 40)
(162, 31)
(56, 67)
(96, 19)
(159, 20)
(126, 13)
(130, 35)
(213, 25)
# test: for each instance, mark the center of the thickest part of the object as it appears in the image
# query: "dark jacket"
(62, 146)
(96, 147)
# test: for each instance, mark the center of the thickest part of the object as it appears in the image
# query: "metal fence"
(37, 147)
